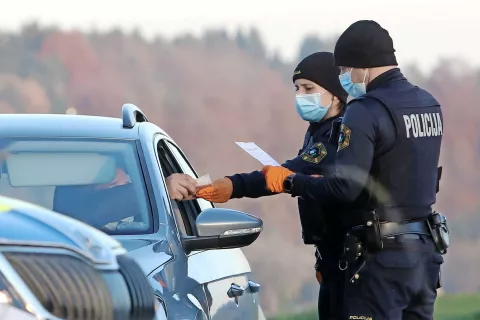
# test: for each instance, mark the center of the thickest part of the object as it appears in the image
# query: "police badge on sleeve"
(344, 137)
(315, 153)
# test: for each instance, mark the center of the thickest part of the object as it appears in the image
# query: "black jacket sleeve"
(353, 163)
(250, 185)
(253, 185)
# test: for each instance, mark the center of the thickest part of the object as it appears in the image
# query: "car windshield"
(99, 182)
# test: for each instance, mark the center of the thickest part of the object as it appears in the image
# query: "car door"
(225, 274)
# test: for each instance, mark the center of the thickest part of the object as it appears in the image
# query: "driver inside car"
(112, 203)
(117, 202)
(101, 205)
(179, 186)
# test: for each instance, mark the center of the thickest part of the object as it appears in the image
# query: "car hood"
(25, 223)
(148, 253)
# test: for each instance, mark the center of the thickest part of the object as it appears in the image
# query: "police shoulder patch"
(315, 153)
(344, 137)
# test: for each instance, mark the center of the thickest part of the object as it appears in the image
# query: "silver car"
(53, 267)
(110, 173)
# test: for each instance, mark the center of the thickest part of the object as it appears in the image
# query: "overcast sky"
(422, 30)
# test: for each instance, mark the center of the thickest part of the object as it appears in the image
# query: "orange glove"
(219, 192)
(274, 176)
(319, 277)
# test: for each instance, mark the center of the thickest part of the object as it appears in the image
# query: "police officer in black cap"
(320, 100)
(389, 149)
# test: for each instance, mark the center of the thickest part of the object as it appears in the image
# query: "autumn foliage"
(210, 91)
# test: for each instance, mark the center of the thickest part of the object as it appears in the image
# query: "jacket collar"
(390, 76)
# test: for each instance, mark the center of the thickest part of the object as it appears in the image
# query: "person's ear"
(335, 101)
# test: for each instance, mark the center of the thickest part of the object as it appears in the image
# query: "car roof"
(63, 125)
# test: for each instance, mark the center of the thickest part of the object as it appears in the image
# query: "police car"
(110, 173)
(54, 267)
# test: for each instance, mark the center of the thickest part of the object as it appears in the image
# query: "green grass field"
(449, 307)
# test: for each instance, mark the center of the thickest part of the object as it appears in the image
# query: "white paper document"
(252, 149)
(204, 181)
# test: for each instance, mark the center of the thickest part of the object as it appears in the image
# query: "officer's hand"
(181, 186)
(219, 192)
(319, 277)
(275, 176)
(316, 176)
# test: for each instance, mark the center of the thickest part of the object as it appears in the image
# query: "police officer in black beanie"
(320, 100)
(389, 148)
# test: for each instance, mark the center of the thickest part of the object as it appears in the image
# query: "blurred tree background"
(212, 90)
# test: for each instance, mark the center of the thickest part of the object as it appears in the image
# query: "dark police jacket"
(317, 156)
(409, 169)
(389, 145)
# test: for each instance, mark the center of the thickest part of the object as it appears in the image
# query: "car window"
(187, 169)
(181, 209)
(173, 161)
(97, 181)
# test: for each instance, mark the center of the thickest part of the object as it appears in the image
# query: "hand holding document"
(204, 181)
(252, 149)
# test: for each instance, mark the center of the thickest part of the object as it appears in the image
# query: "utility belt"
(369, 237)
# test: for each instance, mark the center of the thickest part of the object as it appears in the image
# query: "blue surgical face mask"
(354, 89)
(310, 108)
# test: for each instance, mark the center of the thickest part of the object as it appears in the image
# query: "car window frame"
(154, 210)
(202, 204)
(187, 209)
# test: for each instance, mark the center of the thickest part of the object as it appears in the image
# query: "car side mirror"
(220, 228)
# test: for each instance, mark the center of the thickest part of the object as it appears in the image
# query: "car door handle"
(235, 291)
(253, 287)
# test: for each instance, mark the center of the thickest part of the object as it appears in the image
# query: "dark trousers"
(329, 299)
(331, 294)
(397, 283)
